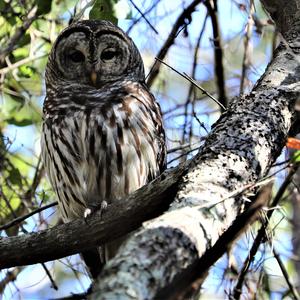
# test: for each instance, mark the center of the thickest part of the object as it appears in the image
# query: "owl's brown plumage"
(103, 136)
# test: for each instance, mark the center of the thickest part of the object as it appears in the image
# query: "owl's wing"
(154, 110)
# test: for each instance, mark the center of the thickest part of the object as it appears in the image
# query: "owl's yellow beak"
(94, 78)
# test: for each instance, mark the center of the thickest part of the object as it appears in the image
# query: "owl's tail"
(94, 261)
(96, 258)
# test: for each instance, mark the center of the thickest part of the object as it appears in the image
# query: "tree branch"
(31, 16)
(185, 15)
(261, 234)
(217, 41)
(62, 240)
(189, 281)
(22, 218)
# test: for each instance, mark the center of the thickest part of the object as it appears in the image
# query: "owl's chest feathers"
(102, 153)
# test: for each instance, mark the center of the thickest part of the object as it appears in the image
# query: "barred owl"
(102, 134)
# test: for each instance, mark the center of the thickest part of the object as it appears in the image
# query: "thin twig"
(39, 171)
(204, 91)
(144, 17)
(12, 44)
(261, 234)
(218, 50)
(191, 88)
(246, 57)
(181, 20)
(182, 147)
(20, 219)
(145, 13)
(9, 277)
(21, 63)
(186, 76)
(286, 275)
(54, 285)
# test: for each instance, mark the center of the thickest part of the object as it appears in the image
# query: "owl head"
(93, 53)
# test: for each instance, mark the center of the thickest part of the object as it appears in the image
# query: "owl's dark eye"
(77, 56)
(108, 54)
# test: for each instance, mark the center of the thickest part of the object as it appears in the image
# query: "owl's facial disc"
(112, 57)
(72, 56)
(94, 53)
(94, 60)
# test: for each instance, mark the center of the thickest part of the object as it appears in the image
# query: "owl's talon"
(87, 212)
(103, 207)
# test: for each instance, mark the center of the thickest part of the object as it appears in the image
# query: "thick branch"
(187, 283)
(62, 240)
(286, 15)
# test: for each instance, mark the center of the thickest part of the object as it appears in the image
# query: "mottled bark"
(239, 151)
(286, 15)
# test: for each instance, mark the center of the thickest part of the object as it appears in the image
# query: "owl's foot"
(88, 211)
(103, 207)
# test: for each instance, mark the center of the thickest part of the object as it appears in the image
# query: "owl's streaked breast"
(102, 150)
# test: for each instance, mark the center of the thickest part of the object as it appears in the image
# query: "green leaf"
(14, 201)
(21, 123)
(44, 6)
(12, 20)
(26, 71)
(15, 177)
(25, 115)
(104, 10)
(296, 156)
(20, 53)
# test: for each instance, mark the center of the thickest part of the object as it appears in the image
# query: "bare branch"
(20, 219)
(217, 41)
(185, 15)
(247, 38)
(184, 75)
(293, 290)
(144, 17)
(12, 44)
(9, 277)
(261, 234)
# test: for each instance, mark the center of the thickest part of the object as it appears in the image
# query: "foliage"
(104, 9)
